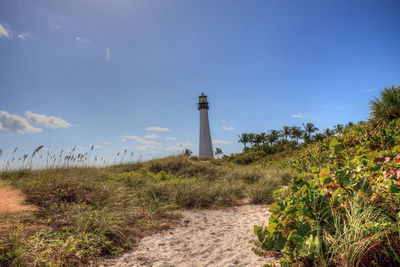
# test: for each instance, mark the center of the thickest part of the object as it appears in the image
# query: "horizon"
(127, 74)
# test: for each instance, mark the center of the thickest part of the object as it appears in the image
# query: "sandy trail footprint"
(211, 238)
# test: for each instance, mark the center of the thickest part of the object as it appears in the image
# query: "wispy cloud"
(24, 35)
(368, 90)
(152, 136)
(53, 23)
(174, 148)
(80, 39)
(108, 55)
(227, 128)
(146, 147)
(15, 123)
(47, 121)
(297, 116)
(157, 129)
(138, 139)
(106, 143)
(4, 32)
(222, 142)
(170, 138)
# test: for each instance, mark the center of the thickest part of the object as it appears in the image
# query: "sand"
(204, 238)
(11, 200)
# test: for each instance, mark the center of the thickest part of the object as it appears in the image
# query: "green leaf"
(257, 229)
(342, 177)
(326, 181)
(393, 188)
(275, 208)
(297, 239)
(372, 155)
(272, 227)
(304, 229)
(280, 243)
(337, 149)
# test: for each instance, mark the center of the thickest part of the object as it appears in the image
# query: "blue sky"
(81, 73)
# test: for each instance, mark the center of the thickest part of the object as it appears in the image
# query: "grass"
(86, 213)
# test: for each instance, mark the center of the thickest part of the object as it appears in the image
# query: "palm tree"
(349, 124)
(296, 133)
(187, 152)
(275, 133)
(244, 139)
(218, 151)
(338, 128)
(328, 132)
(318, 137)
(286, 132)
(309, 128)
(272, 137)
(387, 107)
(258, 139)
(263, 137)
(252, 138)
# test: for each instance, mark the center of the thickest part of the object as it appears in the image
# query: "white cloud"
(170, 138)
(80, 39)
(106, 143)
(15, 123)
(108, 55)
(157, 129)
(222, 142)
(24, 35)
(152, 136)
(145, 147)
(174, 148)
(227, 128)
(4, 32)
(47, 121)
(178, 147)
(297, 116)
(184, 144)
(138, 139)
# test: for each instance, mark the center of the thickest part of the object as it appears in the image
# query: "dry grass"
(86, 213)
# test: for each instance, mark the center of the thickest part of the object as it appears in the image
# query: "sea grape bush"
(314, 215)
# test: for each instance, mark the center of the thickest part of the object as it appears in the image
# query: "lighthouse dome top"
(203, 104)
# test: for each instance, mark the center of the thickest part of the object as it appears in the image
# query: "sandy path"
(11, 200)
(206, 238)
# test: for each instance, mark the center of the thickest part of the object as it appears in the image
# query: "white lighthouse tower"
(205, 145)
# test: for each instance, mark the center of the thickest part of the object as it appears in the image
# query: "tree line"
(308, 134)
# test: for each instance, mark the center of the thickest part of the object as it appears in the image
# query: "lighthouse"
(205, 145)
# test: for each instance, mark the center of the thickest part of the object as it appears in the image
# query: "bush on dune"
(342, 206)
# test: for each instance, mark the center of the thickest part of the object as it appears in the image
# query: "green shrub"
(319, 219)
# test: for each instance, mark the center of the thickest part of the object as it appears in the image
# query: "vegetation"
(342, 207)
(84, 213)
(336, 194)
